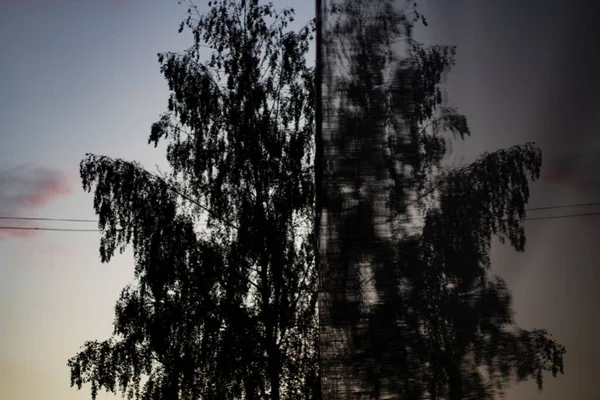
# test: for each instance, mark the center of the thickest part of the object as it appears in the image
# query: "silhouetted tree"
(226, 310)
(436, 324)
(224, 303)
(473, 345)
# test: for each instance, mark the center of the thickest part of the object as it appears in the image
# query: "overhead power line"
(597, 203)
(48, 219)
(38, 228)
(98, 230)
(29, 228)
(562, 216)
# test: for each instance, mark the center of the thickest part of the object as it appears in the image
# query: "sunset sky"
(82, 76)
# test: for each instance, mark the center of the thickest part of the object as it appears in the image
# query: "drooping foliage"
(225, 296)
(411, 309)
(474, 347)
(224, 304)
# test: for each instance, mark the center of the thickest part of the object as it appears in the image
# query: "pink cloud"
(26, 189)
(23, 234)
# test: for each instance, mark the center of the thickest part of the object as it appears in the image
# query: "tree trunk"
(455, 380)
(274, 366)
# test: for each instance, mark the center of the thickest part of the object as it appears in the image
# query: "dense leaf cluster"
(431, 321)
(224, 304)
(225, 311)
